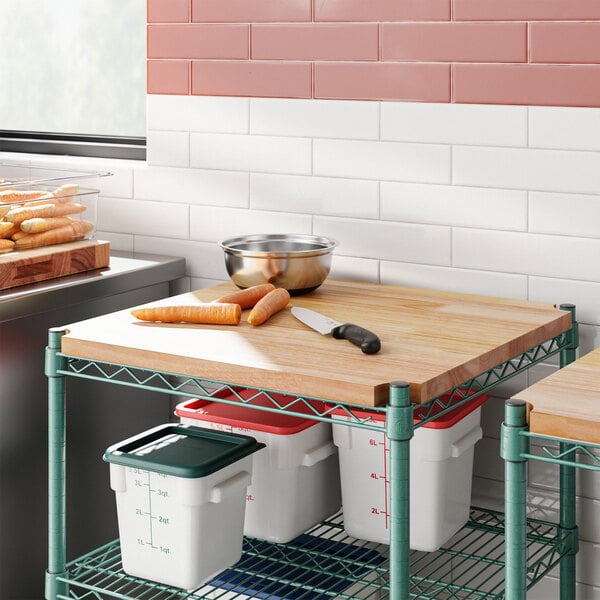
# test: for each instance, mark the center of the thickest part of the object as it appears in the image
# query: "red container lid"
(244, 417)
(444, 422)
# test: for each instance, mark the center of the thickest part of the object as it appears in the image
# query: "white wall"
(499, 200)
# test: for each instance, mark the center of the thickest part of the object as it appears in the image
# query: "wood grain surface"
(566, 404)
(433, 340)
(38, 264)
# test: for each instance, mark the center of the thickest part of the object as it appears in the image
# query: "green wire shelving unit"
(476, 563)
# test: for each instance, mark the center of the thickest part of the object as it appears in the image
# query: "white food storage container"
(296, 481)
(441, 469)
(180, 494)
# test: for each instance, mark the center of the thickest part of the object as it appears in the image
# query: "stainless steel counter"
(127, 271)
(26, 314)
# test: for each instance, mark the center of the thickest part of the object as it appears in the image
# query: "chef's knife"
(367, 341)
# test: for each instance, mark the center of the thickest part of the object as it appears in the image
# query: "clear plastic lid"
(52, 176)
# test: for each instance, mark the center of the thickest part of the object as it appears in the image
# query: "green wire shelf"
(326, 563)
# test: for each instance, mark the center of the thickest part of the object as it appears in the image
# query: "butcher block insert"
(48, 262)
(566, 404)
(433, 340)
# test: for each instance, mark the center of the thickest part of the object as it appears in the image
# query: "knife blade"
(366, 340)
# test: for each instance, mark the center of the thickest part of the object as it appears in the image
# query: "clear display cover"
(45, 210)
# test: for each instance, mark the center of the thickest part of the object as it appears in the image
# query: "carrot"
(20, 195)
(17, 234)
(249, 297)
(209, 313)
(10, 232)
(6, 229)
(38, 224)
(66, 192)
(6, 245)
(47, 199)
(23, 213)
(75, 230)
(268, 305)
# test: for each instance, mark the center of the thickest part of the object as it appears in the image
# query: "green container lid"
(182, 450)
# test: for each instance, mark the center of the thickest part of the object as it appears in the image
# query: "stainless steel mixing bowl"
(297, 262)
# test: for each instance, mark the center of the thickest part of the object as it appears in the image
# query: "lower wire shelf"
(326, 563)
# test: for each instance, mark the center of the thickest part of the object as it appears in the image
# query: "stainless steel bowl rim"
(319, 245)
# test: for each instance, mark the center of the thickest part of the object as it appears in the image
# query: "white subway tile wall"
(564, 128)
(454, 205)
(484, 125)
(394, 161)
(192, 186)
(315, 195)
(498, 200)
(197, 113)
(260, 153)
(168, 148)
(315, 118)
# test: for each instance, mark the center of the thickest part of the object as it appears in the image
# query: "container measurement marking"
(386, 480)
(150, 490)
(152, 518)
(383, 477)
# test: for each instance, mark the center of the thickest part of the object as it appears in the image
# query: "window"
(73, 77)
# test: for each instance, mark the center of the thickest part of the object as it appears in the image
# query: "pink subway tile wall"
(168, 11)
(523, 52)
(428, 82)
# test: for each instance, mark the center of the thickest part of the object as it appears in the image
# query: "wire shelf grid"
(326, 563)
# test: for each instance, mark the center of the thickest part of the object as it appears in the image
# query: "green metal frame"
(471, 565)
(515, 449)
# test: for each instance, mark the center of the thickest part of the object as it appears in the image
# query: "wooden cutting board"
(434, 340)
(566, 404)
(37, 264)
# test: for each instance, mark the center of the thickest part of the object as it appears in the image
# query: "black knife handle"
(367, 341)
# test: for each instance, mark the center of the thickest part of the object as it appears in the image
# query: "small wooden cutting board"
(433, 340)
(37, 264)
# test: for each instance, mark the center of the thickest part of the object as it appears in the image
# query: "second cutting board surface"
(433, 340)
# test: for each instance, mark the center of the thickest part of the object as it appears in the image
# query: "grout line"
(249, 124)
(249, 41)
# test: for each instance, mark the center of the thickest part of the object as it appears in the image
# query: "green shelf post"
(568, 353)
(512, 447)
(56, 467)
(567, 530)
(567, 477)
(399, 430)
